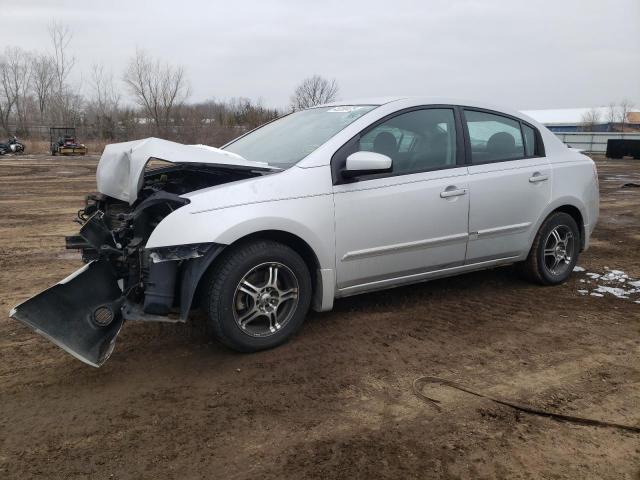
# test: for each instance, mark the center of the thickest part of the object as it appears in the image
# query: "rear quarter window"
(529, 140)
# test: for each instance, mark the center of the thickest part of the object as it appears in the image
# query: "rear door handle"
(452, 192)
(538, 177)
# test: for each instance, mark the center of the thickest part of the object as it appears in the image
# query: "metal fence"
(594, 142)
(196, 133)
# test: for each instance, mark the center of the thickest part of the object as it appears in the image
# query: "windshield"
(284, 142)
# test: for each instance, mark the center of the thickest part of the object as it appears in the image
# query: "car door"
(509, 184)
(409, 221)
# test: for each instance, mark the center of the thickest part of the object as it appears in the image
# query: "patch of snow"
(578, 269)
(618, 292)
(604, 284)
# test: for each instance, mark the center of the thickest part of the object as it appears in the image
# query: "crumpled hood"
(121, 167)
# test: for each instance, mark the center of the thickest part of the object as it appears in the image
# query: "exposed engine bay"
(123, 280)
(115, 231)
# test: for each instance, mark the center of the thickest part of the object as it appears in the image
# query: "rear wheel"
(257, 295)
(555, 250)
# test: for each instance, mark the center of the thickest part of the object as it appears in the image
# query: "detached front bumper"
(80, 314)
(84, 313)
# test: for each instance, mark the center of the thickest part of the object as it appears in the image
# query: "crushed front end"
(122, 280)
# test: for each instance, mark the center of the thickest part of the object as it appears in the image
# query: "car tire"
(555, 250)
(246, 309)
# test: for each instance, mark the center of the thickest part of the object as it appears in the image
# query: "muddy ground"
(335, 402)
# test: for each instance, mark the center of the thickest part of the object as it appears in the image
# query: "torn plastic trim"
(80, 314)
(179, 252)
(134, 313)
(97, 234)
(196, 259)
(191, 274)
(159, 197)
(69, 278)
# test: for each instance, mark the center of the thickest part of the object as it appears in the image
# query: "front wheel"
(555, 250)
(257, 295)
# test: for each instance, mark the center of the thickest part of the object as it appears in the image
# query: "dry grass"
(95, 147)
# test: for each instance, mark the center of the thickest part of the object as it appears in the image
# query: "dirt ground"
(335, 402)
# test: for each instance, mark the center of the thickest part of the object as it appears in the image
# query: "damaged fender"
(196, 260)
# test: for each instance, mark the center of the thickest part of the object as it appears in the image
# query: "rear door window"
(493, 137)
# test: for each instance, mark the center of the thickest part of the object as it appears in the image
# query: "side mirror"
(363, 163)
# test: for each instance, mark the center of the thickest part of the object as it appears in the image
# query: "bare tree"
(590, 119)
(312, 91)
(65, 99)
(15, 83)
(104, 101)
(7, 99)
(159, 89)
(43, 76)
(63, 62)
(626, 106)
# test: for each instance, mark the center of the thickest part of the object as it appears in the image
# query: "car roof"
(426, 100)
(363, 101)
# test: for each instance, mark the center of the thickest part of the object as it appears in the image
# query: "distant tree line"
(36, 91)
(615, 115)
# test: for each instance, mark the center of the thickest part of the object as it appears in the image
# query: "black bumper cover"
(66, 313)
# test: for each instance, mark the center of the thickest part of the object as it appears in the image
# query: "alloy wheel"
(559, 250)
(265, 299)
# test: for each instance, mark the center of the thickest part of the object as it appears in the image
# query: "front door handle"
(452, 192)
(538, 177)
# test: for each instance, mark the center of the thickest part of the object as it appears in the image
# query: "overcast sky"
(522, 53)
